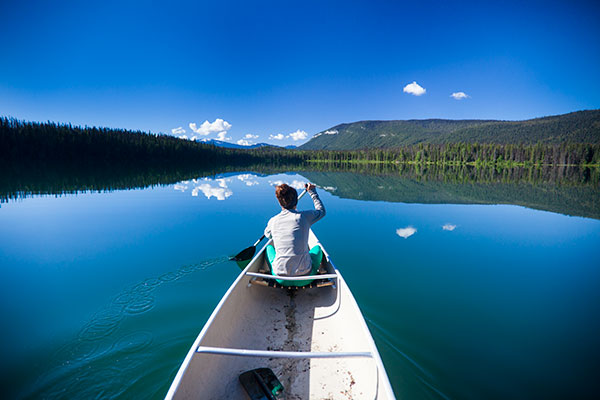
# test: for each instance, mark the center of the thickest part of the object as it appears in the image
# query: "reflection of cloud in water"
(449, 227)
(406, 232)
(248, 179)
(330, 188)
(220, 192)
(296, 184)
(206, 186)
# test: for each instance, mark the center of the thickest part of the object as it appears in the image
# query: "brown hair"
(287, 196)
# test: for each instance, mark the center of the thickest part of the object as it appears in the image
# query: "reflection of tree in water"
(572, 191)
(566, 190)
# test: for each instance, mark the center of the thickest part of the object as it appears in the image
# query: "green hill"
(575, 127)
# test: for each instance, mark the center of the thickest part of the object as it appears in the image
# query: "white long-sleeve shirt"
(289, 230)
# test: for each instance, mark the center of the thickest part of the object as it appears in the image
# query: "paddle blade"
(243, 264)
(244, 255)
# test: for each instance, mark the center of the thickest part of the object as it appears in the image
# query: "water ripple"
(95, 363)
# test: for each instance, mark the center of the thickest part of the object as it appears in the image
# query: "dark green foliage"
(576, 127)
(50, 144)
(469, 154)
(572, 190)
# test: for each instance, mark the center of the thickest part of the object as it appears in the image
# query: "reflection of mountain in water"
(571, 192)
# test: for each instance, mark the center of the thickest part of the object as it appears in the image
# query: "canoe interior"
(264, 318)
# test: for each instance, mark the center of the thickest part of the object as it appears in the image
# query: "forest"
(575, 127)
(33, 145)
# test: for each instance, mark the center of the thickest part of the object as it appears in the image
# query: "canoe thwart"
(292, 278)
(282, 354)
(274, 284)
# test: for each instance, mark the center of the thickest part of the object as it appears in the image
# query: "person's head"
(287, 196)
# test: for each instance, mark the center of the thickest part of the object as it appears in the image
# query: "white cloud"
(220, 193)
(178, 130)
(180, 187)
(298, 185)
(243, 142)
(298, 135)
(248, 179)
(183, 137)
(449, 227)
(207, 128)
(250, 136)
(459, 95)
(406, 232)
(415, 89)
(223, 136)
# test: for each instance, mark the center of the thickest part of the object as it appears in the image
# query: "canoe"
(315, 340)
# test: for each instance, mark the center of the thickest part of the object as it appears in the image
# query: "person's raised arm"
(268, 230)
(319, 211)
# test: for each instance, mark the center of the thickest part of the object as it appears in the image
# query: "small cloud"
(459, 95)
(406, 232)
(248, 179)
(298, 185)
(250, 136)
(180, 187)
(178, 130)
(223, 136)
(298, 135)
(219, 125)
(183, 137)
(414, 89)
(449, 227)
(243, 142)
(221, 192)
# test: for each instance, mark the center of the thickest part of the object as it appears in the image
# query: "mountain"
(575, 127)
(228, 145)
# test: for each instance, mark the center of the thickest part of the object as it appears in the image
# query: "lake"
(478, 288)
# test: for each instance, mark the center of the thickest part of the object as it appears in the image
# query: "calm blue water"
(102, 294)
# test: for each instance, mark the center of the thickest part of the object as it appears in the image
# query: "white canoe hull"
(315, 341)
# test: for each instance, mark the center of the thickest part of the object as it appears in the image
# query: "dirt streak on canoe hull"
(262, 318)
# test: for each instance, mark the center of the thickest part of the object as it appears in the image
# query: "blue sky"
(276, 68)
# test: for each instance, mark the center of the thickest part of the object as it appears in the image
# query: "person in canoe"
(289, 255)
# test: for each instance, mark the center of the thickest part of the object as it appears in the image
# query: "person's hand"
(309, 187)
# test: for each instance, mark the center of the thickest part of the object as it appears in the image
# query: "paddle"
(243, 257)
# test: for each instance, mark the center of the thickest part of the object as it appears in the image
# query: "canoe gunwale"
(382, 384)
(186, 362)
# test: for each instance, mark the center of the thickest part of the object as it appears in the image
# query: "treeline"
(51, 144)
(470, 154)
(63, 146)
